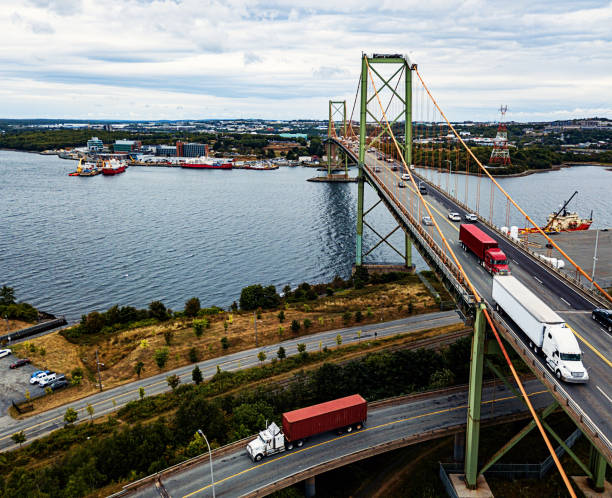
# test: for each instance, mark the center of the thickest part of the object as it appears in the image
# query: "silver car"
(454, 216)
(470, 217)
(427, 220)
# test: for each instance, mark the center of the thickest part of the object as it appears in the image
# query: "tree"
(256, 296)
(138, 368)
(193, 355)
(359, 336)
(157, 310)
(295, 326)
(93, 322)
(71, 416)
(192, 306)
(346, 316)
(281, 316)
(225, 343)
(196, 375)
(301, 347)
(281, 353)
(358, 316)
(168, 335)
(19, 438)
(90, 411)
(307, 323)
(338, 339)
(7, 296)
(161, 357)
(173, 381)
(141, 393)
(261, 356)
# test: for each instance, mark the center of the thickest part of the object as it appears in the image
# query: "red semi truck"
(345, 414)
(489, 255)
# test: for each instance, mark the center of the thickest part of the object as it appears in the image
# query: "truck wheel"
(300, 443)
(558, 374)
(358, 427)
(535, 349)
(593, 316)
(609, 328)
(258, 457)
(289, 446)
(349, 428)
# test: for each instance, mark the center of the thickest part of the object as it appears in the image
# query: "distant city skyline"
(187, 59)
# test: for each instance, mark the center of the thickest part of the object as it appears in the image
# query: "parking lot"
(15, 382)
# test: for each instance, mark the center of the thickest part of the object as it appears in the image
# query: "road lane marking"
(608, 362)
(536, 278)
(566, 302)
(386, 424)
(601, 391)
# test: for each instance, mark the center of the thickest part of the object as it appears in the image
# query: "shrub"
(358, 316)
(196, 375)
(173, 381)
(168, 335)
(307, 323)
(161, 357)
(329, 291)
(281, 316)
(346, 316)
(295, 326)
(193, 355)
(281, 353)
(198, 328)
(158, 310)
(192, 307)
(225, 343)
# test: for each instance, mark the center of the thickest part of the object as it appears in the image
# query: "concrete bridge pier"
(309, 487)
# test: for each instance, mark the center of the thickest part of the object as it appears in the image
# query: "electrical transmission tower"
(500, 153)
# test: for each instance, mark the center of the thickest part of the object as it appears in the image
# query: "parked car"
(453, 216)
(34, 379)
(604, 317)
(45, 380)
(5, 352)
(401, 184)
(427, 220)
(470, 217)
(20, 363)
(58, 384)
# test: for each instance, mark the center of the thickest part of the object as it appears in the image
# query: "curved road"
(108, 401)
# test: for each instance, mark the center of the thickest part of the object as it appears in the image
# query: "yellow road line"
(446, 410)
(608, 362)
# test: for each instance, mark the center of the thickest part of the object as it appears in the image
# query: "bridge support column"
(597, 465)
(309, 487)
(408, 251)
(362, 147)
(474, 400)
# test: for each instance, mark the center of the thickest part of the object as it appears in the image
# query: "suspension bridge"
(403, 140)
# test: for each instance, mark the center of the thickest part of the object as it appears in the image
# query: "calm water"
(70, 245)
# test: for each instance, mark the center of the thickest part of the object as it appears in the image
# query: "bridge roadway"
(388, 427)
(593, 399)
(112, 399)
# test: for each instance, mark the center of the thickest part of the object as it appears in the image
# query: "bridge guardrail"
(582, 420)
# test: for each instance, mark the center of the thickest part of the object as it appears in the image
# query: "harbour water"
(70, 245)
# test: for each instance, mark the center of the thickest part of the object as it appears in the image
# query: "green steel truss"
(337, 114)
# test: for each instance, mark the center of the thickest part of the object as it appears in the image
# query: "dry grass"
(120, 352)
(13, 325)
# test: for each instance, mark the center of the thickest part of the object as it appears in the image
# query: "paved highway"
(236, 475)
(108, 401)
(594, 397)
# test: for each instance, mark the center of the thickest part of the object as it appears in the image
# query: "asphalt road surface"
(108, 401)
(236, 475)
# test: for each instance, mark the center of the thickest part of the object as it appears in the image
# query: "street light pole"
(212, 477)
(450, 168)
(594, 258)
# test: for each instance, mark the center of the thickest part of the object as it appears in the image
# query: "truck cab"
(495, 262)
(267, 443)
(563, 355)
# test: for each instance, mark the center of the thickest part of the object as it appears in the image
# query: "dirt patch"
(13, 325)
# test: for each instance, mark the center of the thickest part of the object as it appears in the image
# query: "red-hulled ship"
(207, 163)
(563, 221)
(113, 167)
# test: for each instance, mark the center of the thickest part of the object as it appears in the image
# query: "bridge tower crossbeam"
(337, 112)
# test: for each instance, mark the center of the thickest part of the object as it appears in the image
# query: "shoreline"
(528, 172)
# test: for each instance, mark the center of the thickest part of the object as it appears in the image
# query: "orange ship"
(563, 221)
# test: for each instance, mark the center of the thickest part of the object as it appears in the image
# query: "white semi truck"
(546, 331)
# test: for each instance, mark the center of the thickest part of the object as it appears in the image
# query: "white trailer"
(546, 331)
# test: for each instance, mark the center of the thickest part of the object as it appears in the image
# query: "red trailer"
(345, 413)
(485, 248)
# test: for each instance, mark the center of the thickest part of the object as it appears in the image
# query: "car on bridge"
(401, 184)
(427, 220)
(470, 217)
(453, 216)
(604, 317)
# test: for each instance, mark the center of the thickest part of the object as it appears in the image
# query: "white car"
(5, 352)
(405, 176)
(454, 216)
(470, 217)
(36, 378)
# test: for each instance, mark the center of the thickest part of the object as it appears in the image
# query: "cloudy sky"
(175, 59)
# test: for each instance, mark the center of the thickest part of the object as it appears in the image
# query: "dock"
(580, 246)
(333, 179)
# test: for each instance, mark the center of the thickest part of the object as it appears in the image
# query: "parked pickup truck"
(547, 333)
(344, 414)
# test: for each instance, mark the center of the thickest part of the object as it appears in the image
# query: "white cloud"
(282, 59)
